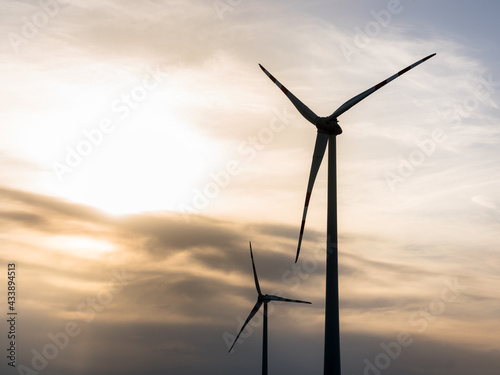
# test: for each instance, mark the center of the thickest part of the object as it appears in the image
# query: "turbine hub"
(328, 125)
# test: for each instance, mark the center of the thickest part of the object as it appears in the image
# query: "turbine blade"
(250, 316)
(301, 107)
(276, 298)
(255, 272)
(319, 152)
(355, 100)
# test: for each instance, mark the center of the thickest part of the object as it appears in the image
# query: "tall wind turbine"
(328, 128)
(262, 299)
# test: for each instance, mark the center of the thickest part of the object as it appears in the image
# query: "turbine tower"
(328, 128)
(262, 299)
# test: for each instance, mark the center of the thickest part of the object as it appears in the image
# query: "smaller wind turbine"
(262, 299)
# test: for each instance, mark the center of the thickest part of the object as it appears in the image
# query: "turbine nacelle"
(328, 125)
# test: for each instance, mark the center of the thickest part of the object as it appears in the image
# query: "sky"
(142, 148)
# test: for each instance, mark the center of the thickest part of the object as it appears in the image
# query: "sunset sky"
(142, 147)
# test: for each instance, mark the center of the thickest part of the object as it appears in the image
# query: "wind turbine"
(328, 128)
(262, 299)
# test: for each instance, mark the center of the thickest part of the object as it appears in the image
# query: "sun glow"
(146, 166)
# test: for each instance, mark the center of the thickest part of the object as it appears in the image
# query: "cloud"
(187, 288)
(422, 356)
(484, 201)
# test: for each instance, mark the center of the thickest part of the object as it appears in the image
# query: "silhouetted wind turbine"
(328, 128)
(262, 299)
